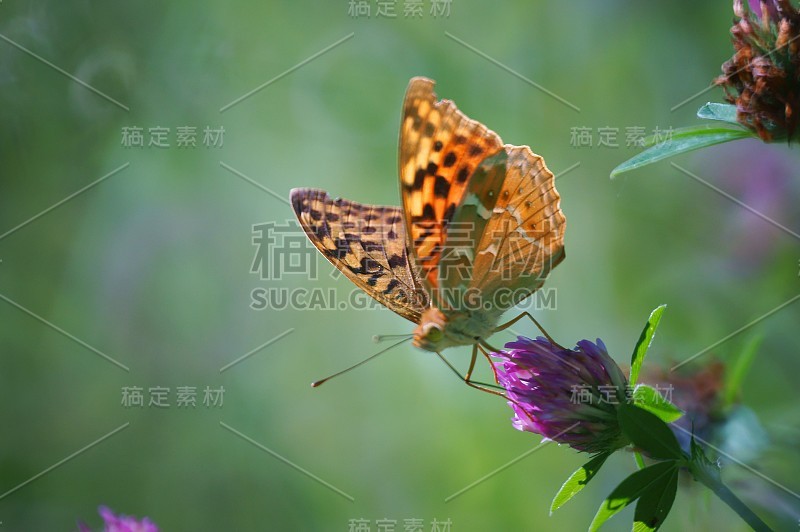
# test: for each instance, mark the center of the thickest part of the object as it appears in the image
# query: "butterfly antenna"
(378, 338)
(354, 366)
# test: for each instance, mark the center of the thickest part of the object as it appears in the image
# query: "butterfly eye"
(433, 333)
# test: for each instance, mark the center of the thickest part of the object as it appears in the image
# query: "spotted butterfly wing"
(518, 238)
(368, 244)
(440, 148)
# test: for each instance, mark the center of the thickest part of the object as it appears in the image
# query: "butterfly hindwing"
(368, 244)
(513, 209)
(440, 149)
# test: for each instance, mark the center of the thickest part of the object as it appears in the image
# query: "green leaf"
(645, 339)
(700, 466)
(648, 432)
(637, 457)
(631, 489)
(651, 400)
(724, 112)
(733, 383)
(683, 140)
(655, 503)
(578, 480)
(698, 454)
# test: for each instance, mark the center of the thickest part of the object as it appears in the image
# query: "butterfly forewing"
(439, 150)
(468, 225)
(368, 244)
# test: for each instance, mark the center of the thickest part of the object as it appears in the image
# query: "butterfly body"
(479, 229)
(437, 331)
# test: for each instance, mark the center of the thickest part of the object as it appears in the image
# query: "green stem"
(713, 483)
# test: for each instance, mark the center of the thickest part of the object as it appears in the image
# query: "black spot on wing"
(341, 250)
(441, 188)
(419, 179)
(391, 286)
(373, 279)
(371, 247)
(321, 230)
(396, 261)
(368, 266)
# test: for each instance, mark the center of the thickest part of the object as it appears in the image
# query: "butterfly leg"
(539, 325)
(468, 379)
(483, 346)
(474, 357)
(484, 387)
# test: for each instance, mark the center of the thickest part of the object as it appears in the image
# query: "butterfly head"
(429, 334)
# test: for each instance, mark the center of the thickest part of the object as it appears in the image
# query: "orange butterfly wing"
(440, 148)
(522, 237)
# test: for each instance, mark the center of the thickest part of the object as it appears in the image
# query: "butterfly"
(479, 229)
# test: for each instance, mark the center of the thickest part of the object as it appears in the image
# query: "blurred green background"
(152, 266)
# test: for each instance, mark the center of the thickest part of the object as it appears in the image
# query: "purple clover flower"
(121, 523)
(566, 395)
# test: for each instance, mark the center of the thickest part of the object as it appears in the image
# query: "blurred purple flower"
(566, 395)
(121, 523)
(763, 178)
